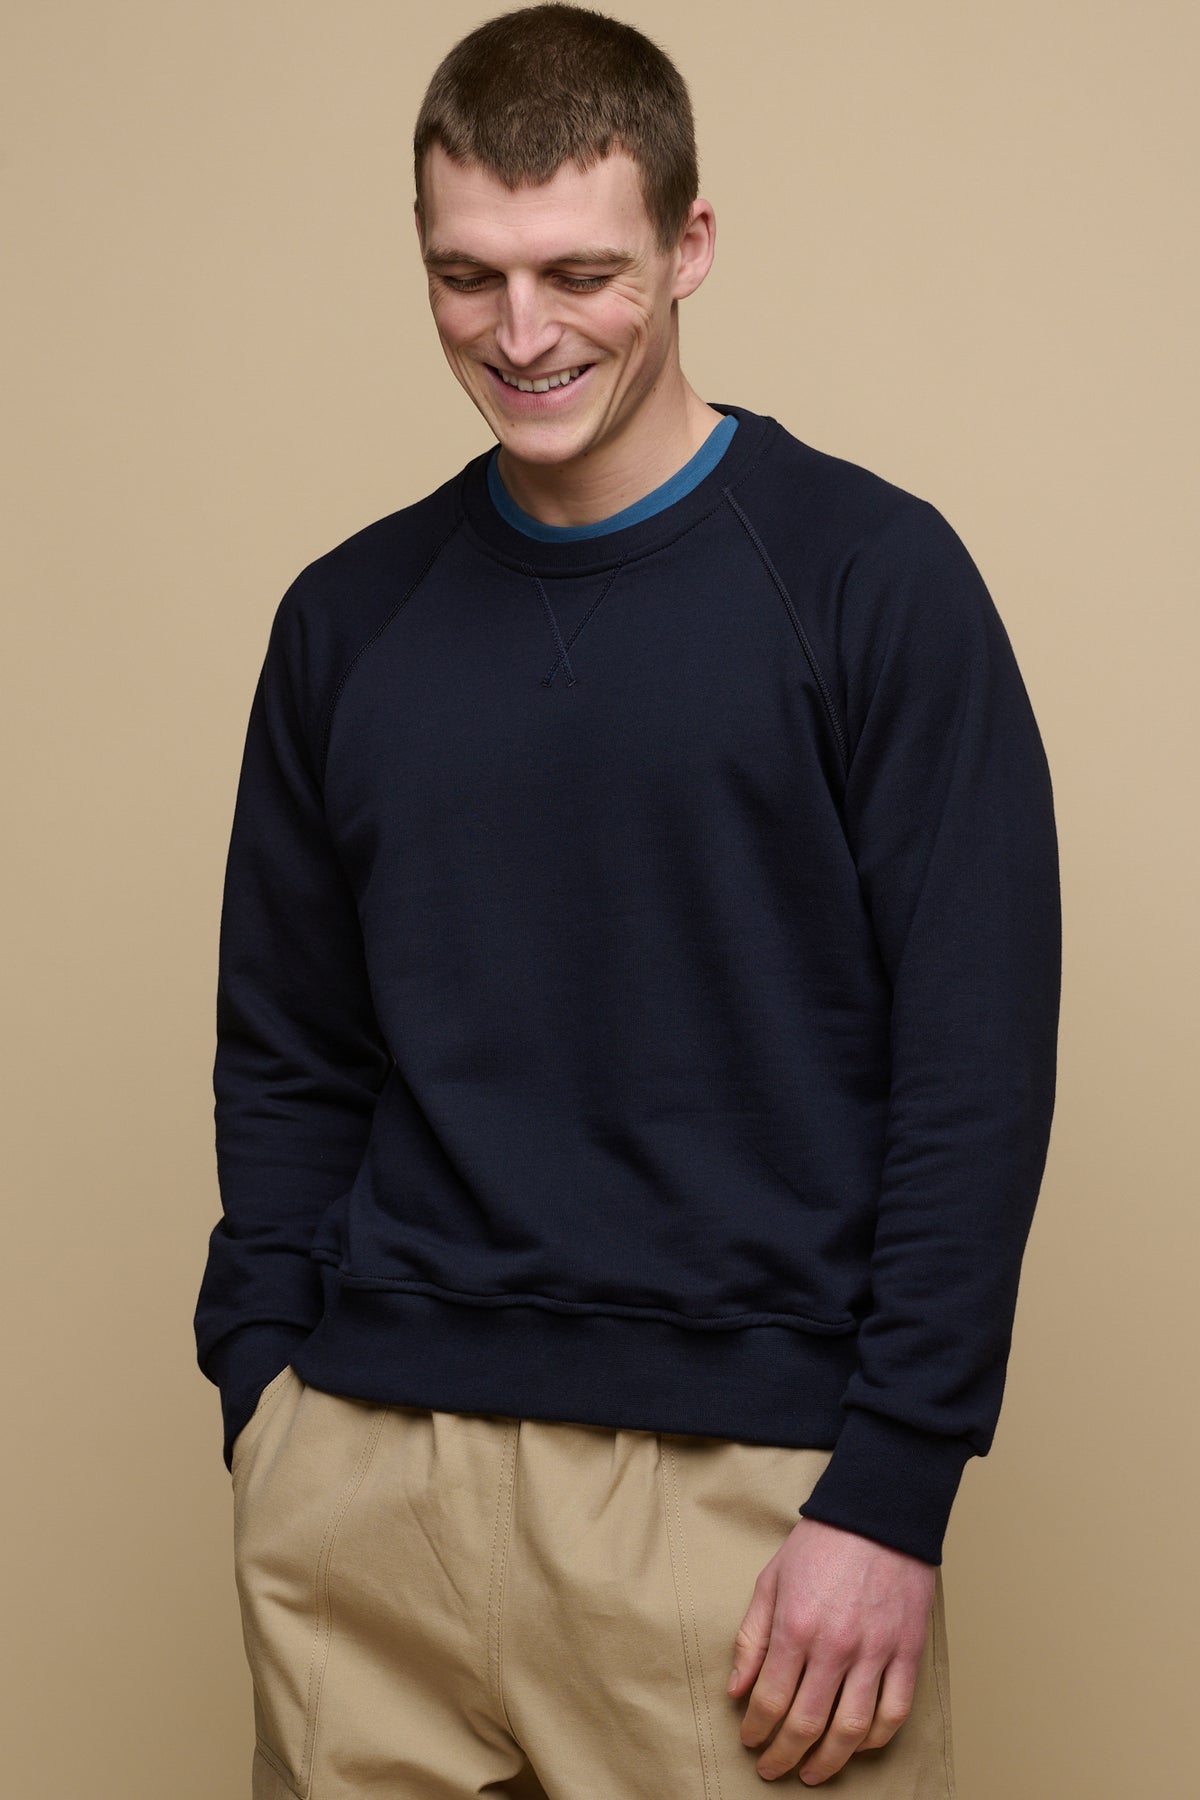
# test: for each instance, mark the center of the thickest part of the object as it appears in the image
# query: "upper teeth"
(544, 381)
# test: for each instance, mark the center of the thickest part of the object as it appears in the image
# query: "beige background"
(954, 243)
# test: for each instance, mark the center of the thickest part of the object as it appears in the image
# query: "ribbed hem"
(890, 1482)
(242, 1364)
(765, 1384)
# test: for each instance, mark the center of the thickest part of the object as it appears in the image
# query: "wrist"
(890, 1482)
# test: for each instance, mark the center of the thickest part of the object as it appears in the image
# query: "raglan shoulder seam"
(389, 559)
(835, 723)
(879, 508)
(326, 722)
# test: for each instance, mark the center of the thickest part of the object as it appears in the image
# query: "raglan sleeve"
(949, 815)
(300, 1058)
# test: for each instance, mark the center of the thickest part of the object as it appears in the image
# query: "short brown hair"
(533, 89)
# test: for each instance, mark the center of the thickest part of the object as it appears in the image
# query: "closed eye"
(577, 284)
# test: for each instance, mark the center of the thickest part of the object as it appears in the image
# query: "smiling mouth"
(541, 384)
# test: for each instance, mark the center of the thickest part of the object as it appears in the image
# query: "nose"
(526, 329)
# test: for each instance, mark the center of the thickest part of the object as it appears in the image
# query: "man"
(636, 1027)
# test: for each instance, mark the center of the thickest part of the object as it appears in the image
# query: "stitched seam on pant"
(499, 1562)
(282, 1787)
(318, 1658)
(669, 1478)
(940, 1658)
(283, 1774)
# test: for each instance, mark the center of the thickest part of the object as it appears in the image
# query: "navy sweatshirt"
(638, 980)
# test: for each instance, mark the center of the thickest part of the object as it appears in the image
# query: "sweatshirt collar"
(665, 494)
(504, 541)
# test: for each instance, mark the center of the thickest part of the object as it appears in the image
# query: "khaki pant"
(439, 1605)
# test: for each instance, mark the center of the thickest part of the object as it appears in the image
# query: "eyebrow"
(439, 255)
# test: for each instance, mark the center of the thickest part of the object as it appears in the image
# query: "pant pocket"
(262, 1409)
(298, 1476)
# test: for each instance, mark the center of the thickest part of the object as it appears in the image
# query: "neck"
(665, 433)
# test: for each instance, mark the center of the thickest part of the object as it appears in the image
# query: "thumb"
(753, 1634)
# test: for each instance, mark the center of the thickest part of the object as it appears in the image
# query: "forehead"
(467, 208)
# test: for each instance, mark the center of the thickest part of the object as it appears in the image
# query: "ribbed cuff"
(890, 1482)
(242, 1364)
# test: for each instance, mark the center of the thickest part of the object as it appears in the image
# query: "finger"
(753, 1635)
(806, 1718)
(773, 1692)
(848, 1728)
(894, 1704)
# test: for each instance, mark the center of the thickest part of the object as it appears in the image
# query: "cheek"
(628, 330)
(456, 324)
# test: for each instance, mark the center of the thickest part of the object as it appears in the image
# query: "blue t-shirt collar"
(682, 482)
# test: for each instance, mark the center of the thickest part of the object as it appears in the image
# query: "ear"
(417, 223)
(695, 250)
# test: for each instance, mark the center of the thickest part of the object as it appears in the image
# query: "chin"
(540, 446)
